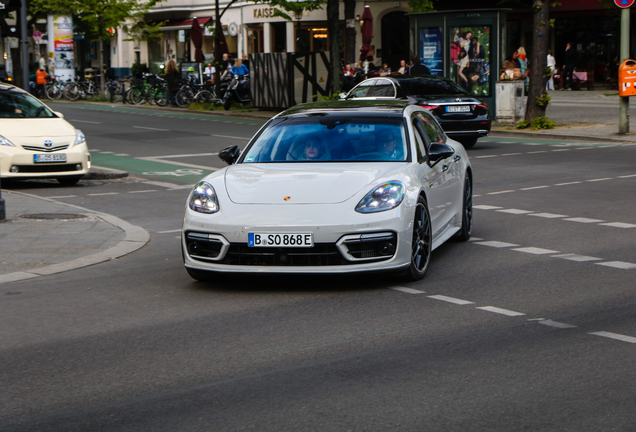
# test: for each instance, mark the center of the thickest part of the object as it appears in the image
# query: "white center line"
(511, 154)
(584, 220)
(535, 250)
(151, 128)
(599, 179)
(407, 290)
(451, 300)
(578, 258)
(485, 207)
(105, 193)
(618, 264)
(500, 311)
(496, 244)
(627, 176)
(85, 121)
(569, 183)
(548, 215)
(556, 324)
(561, 150)
(619, 225)
(481, 157)
(615, 336)
(144, 191)
(535, 152)
(500, 192)
(63, 196)
(515, 211)
(535, 187)
(475, 239)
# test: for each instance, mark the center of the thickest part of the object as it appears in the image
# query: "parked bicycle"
(80, 89)
(54, 89)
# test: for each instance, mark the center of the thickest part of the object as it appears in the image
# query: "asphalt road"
(529, 326)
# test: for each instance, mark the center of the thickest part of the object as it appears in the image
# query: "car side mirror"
(230, 155)
(439, 151)
(342, 95)
(59, 114)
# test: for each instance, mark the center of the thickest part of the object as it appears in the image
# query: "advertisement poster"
(470, 59)
(64, 55)
(431, 55)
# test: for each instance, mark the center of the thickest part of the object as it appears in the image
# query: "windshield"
(430, 87)
(16, 104)
(331, 138)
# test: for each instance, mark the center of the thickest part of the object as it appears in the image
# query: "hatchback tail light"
(480, 109)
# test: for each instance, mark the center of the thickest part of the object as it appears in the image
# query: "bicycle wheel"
(205, 97)
(161, 98)
(72, 91)
(184, 97)
(52, 92)
(136, 96)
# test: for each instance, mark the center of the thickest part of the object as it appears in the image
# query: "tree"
(538, 98)
(98, 16)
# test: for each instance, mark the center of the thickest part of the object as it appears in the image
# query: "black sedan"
(463, 117)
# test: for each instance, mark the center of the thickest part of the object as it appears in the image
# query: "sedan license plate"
(458, 108)
(42, 158)
(280, 240)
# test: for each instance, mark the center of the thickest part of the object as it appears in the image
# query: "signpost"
(37, 35)
(623, 122)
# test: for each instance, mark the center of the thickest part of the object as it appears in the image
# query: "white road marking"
(485, 207)
(618, 264)
(616, 336)
(163, 184)
(105, 193)
(584, 148)
(561, 150)
(556, 324)
(619, 225)
(535, 250)
(569, 183)
(183, 164)
(599, 179)
(178, 156)
(497, 244)
(475, 239)
(500, 311)
(500, 192)
(535, 187)
(407, 290)
(151, 128)
(144, 191)
(578, 258)
(627, 176)
(233, 137)
(515, 211)
(85, 121)
(548, 215)
(169, 231)
(481, 157)
(511, 154)
(535, 152)
(63, 196)
(584, 220)
(451, 300)
(122, 154)
(107, 152)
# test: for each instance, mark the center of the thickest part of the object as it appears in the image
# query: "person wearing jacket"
(172, 81)
(239, 69)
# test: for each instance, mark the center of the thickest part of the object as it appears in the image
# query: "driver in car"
(313, 150)
(388, 143)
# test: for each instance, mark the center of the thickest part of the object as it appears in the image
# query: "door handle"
(445, 168)
(457, 158)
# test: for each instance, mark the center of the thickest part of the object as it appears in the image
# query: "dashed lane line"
(547, 215)
(515, 211)
(577, 258)
(143, 191)
(169, 231)
(500, 192)
(615, 336)
(583, 220)
(500, 311)
(618, 264)
(151, 128)
(103, 193)
(62, 196)
(407, 290)
(618, 225)
(535, 250)
(451, 300)
(496, 244)
(556, 324)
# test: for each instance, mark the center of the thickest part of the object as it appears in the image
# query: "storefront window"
(470, 59)
(312, 38)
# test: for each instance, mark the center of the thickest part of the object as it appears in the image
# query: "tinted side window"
(382, 88)
(435, 134)
(421, 140)
(362, 89)
(430, 86)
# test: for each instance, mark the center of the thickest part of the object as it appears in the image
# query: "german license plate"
(458, 108)
(280, 240)
(42, 158)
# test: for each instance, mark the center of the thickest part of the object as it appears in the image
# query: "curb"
(103, 173)
(547, 136)
(136, 238)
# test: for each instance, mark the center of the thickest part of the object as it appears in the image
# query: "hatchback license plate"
(458, 108)
(280, 240)
(57, 157)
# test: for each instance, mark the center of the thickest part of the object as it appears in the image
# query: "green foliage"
(522, 124)
(542, 123)
(292, 7)
(420, 6)
(138, 68)
(548, 72)
(544, 100)
(333, 97)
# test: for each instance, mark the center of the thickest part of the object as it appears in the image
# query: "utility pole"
(623, 125)
(24, 45)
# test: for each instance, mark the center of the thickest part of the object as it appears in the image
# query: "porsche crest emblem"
(287, 198)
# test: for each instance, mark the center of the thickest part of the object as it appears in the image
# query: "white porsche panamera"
(332, 187)
(36, 142)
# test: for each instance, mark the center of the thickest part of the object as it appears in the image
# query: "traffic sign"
(624, 3)
(37, 35)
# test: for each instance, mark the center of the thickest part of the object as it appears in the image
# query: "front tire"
(467, 212)
(228, 103)
(421, 243)
(468, 142)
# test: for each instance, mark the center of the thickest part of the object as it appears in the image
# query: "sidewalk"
(41, 237)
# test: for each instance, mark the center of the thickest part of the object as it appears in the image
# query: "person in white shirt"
(209, 73)
(552, 65)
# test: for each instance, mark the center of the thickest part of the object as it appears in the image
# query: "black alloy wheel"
(467, 212)
(422, 241)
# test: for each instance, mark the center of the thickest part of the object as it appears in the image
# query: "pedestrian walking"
(568, 67)
(552, 65)
(172, 81)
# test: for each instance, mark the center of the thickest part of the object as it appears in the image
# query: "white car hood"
(322, 183)
(35, 127)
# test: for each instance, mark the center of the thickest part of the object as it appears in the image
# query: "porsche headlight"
(203, 199)
(387, 196)
(79, 137)
(5, 142)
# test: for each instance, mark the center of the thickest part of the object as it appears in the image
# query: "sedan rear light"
(430, 107)
(480, 109)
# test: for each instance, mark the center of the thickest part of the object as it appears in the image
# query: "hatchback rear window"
(430, 87)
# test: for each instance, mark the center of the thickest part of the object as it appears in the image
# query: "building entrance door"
(395, 39)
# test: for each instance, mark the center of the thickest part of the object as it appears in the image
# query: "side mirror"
(439, 151)
(59, 114)
(230, 155)
(342, 95)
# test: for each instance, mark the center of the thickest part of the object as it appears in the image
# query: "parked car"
(36, 142)
(4, 76)
(332, 187)
(463, 117)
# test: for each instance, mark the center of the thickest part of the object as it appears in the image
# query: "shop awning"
(183, 24)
